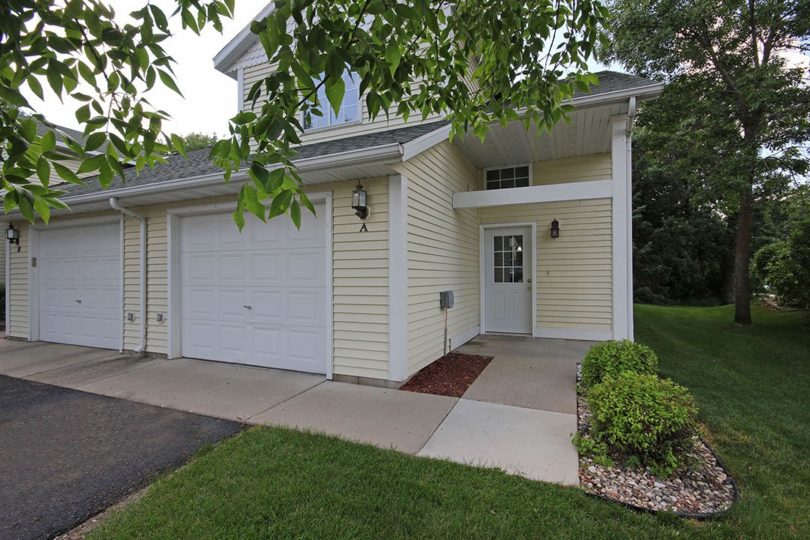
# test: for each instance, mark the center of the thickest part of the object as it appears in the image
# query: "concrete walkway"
(518, 416)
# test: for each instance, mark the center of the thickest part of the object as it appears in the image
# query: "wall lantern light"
(360, 202)
(555, 229)
(13, 235)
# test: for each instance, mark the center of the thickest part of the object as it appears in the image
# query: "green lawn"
(752, 384)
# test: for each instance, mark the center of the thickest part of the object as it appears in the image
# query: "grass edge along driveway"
(266, 482)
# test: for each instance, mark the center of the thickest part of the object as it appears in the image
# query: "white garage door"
(257, 297)
(79, 273)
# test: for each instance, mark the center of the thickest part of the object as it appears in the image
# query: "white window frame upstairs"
(510, 166)
(326, 108)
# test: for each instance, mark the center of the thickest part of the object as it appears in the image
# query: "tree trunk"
(742, 257)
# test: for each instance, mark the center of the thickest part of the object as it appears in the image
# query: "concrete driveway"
(67, 455)
(518, 416)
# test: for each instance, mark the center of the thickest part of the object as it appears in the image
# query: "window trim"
(360, 112)
(530, 165)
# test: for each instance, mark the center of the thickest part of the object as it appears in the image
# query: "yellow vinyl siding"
(576, 169)
(574, 271)
(17, 287)
(443, 248)
(360, 281)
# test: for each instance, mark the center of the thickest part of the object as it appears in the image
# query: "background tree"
(410, 57)
(754, 106)
(198, 141)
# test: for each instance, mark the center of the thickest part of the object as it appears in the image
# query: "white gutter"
(140, 217)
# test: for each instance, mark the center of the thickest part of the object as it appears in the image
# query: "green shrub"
(643, 418)
(614, 357)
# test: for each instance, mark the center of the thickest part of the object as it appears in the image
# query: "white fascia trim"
(398, 277)
(639, 92)
(425, 142)
(237, 46)
(573, 191)
(585, 334)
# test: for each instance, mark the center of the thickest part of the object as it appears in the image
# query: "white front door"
(79, 274)
(258, 297)
(507, 280)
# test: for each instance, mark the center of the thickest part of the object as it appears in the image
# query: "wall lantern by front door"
(555, 229)
(13, 235)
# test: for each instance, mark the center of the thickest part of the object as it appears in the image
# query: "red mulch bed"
(450, 375)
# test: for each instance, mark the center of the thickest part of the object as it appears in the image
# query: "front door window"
(508, 261)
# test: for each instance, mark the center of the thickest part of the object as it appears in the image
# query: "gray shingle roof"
(198, 163)
(613, 81)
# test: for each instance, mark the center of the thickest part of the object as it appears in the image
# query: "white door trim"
(33, 275)
(482, 269)
(174, 345)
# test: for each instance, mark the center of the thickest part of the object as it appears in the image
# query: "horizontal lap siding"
(577, 169)
(443, 246)
(17, 288)
(360, 281)
(574, 271)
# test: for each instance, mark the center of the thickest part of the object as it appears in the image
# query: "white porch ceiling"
(588, 132)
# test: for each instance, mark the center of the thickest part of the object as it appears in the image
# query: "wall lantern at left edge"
(13, 235)
(360, 202)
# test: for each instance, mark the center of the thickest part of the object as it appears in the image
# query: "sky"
(210, 96)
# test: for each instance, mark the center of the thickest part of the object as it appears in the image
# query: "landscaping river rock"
(702, 489)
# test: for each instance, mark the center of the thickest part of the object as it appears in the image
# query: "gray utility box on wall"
(446, 300)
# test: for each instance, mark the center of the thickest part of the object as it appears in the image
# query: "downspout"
(142, 219)
(631, 115)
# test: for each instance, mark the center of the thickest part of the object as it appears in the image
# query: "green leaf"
(66, 174)
(44, 171)
(251, 201)
(239, 218)
(95, 141)
(48, 142)
(295, 214)
(42, 208)
(393, 56)
(335, 90)
(168, 80)
(179, 145)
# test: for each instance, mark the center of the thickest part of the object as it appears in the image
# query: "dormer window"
(507, 177)
(349, 110)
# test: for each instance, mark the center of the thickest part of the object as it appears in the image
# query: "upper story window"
(349, 110)
(508, 177)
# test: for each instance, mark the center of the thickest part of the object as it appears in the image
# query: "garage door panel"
(306, 308)
(79, 274)
(279, 272)
(265, 268)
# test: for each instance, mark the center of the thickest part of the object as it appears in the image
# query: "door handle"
(248, 307)
(78, 301)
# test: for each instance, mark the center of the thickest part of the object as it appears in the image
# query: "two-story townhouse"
(531, 233)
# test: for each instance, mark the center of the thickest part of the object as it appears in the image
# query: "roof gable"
(226, 59)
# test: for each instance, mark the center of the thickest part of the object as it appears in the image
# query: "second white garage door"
(258, 297)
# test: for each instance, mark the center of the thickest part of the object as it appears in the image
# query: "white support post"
(398, 277)
(622, 232)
